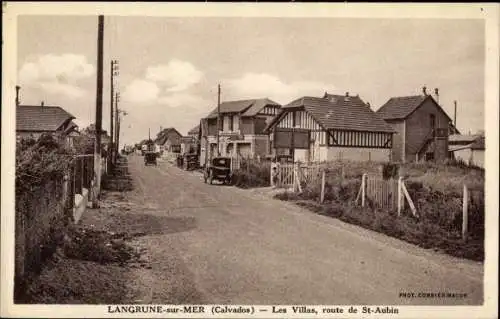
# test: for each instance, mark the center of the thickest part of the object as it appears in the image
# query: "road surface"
(223, 245)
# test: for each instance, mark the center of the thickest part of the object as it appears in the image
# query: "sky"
(170, 67)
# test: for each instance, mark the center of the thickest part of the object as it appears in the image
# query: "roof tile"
(400, 107)
(40, 118)
(337, 112)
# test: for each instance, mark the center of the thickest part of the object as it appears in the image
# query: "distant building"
(467, 148)
(169, 140)
(35, 120)
(332, 127)
(241, 131)
(422, 128)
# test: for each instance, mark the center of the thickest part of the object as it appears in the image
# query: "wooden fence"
(295, 175)
(382, 192)
(385, 193)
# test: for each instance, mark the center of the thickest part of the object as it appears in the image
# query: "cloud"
(182, 100)
(176, 75)
(63, 89)
(57, 74)
(257, 85)
(141, 91)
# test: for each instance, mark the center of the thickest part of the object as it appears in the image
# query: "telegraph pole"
(98, 113)
(218, 120)
(115, 150)
(111, 126)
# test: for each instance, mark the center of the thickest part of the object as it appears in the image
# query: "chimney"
(18, 88)
(346, 96)
(424, 90)
(368, 104)
(436, 92)
(42, 104)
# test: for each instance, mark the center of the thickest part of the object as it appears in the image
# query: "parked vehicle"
(144, 149)
(218, 169)
(150, 158)
(190, 161)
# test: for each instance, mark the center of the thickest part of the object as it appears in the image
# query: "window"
(230, 117)
(432, 119)
(296, 118)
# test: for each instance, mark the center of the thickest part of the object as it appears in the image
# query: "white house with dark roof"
(241, 131)
(34, 120)
(467, 148)
(332, 127)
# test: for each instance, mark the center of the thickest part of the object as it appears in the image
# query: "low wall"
(80, 205)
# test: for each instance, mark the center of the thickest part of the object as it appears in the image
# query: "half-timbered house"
(241, 129)
(332, 127)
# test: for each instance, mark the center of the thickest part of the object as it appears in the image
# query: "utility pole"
(98, 113)
(218, 120)
(115, 149)
(111, 102)
(18, 101)
(455, 115)
(118, 135)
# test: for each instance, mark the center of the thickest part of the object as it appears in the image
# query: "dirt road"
(223, 245)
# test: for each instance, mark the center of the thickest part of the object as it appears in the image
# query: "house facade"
(332, 127)
(169, 140)
(35, 120)
(241, 129)
(422, 128)
(468, 149)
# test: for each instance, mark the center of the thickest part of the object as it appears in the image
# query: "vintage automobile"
(190, 161)
(219, 168)
(150, 158)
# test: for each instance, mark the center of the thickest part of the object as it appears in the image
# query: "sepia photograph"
(278, 165)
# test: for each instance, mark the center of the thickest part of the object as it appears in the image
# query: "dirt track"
(219, 244)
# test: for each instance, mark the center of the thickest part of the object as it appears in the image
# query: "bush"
(37, 162)
(252, 174)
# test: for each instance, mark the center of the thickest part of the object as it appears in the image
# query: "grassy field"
(436, 190)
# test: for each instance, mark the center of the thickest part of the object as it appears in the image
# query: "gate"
(289, 175)
(382, 192)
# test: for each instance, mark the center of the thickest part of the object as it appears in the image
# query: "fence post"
(465, 213)
(363, 189)
(271, 174)
(400, 194)
(322, 198)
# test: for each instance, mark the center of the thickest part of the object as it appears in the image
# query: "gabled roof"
(463, 139)
(398, 108)
(38, 118)
(242, 107)
(477, 144)
(166, 134)
(339, 112)
(258, 105)
(186, 139)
